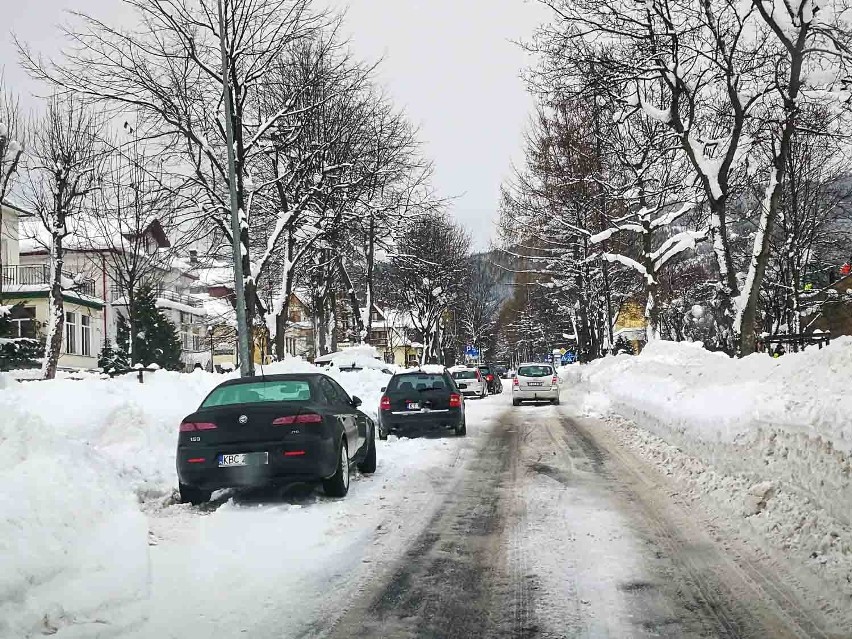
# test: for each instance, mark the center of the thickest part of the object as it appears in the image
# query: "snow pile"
(81, 457)
(768, 441)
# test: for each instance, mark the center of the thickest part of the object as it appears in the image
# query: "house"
(299, 336)
(25, 285)
(101, 262)
(829, 309)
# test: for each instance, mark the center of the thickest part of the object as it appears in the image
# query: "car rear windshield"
(416, 382)
(464, 374)
(535, 371)
(291, 390)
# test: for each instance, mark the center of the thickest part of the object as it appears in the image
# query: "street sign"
(471, 351)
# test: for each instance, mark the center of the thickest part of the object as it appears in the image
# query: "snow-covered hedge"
(80, 457)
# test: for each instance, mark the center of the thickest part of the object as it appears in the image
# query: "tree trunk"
(371, 261)
(56, 320)
(353, 299)
(771, 204)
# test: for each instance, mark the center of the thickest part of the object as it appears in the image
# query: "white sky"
(450, 63)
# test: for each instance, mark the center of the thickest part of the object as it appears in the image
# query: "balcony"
(37, 276)
(116, 295)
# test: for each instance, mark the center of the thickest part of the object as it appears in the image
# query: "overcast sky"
(450, 63)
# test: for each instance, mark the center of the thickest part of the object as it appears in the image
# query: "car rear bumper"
(319, 460)
(538, 393)
(403, 423)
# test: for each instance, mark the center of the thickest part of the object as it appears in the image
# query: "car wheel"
(461, 429)
(194, 496)
(338, 484)
(516, 402)
(383, 435)
(368, 466)
(555, 402)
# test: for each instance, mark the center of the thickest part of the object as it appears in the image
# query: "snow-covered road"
(538, 524)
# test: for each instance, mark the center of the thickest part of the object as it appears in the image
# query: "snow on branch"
(676, 245)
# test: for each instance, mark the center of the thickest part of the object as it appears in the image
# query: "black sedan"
(489, 372)
(417, 401)
(257, 431)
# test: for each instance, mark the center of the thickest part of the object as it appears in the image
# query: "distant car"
(470, 381)
(495, 386)
(502, 371)
(416, 400)
(535, 382)
(256, 431)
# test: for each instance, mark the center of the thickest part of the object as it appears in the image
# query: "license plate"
(533, 383)
(461, 386)
(243, 459)
(412, 406)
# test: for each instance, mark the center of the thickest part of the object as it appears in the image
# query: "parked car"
(535, 382)
(495, 386)
(416, 400)
(470, 381)
(257, 431)
(502, 371)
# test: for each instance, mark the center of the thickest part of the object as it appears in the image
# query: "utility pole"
(236, 231)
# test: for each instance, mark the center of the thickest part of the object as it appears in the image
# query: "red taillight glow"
(516, 382)
(554, 380)
(293, 453)
(490, 378)
(385, 403)
(307, 418)
(455, 400)
(187, 427)
(196, 460)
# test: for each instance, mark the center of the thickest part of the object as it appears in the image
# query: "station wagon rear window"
(464, 374)
(416, 382)
(291, 390)
(535, 371)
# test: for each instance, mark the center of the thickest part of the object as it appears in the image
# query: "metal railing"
(39, 275)
(182, 298)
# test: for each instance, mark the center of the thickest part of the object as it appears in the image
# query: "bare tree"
(62, 177)
(12, 137)
(169, 72)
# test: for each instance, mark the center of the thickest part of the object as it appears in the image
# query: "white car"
(535, 381)
(470, 381)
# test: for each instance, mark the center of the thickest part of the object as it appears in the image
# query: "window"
(70, 333)
(333, 393)
(416, 381)
(24, 321)
(535, 371)
(85, 335)
(296, 390)
(469, 374)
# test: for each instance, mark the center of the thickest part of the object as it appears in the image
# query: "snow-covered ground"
(92, 542)
(765, 442)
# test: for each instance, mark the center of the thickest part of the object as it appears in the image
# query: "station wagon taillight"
(455, 400)
(385, 403)
(187, 427)
(516, 382)
(304, 418)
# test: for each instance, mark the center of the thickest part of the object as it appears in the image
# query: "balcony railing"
(39, 275)
(117, 294)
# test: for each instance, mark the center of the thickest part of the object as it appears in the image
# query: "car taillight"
(516, 382)
(186, 427)
(305, 418)
(385, 404)
(490, 378)
(455, 400)
(554, 380)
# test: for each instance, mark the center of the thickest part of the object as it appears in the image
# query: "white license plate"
(243, 459)
(412, 406)
(534, 384)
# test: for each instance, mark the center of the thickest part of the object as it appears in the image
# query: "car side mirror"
(384, 388)
(356, 401)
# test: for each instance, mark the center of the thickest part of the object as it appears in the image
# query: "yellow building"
(26, 287)
(630, 324)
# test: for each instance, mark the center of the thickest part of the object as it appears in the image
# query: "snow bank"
(768, 439)
(80, 459)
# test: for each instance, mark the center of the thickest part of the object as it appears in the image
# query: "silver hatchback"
(535, 382)
(470, 381)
